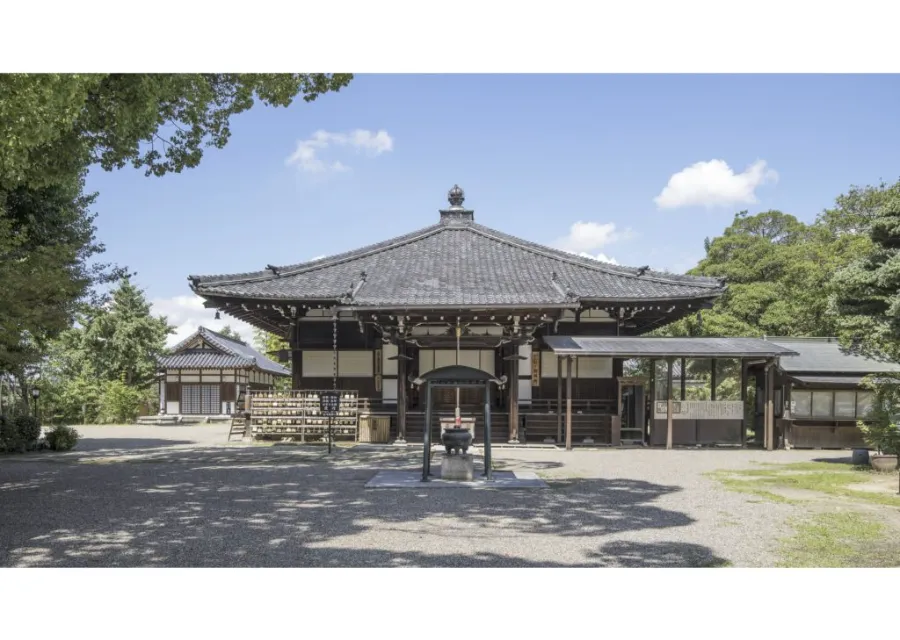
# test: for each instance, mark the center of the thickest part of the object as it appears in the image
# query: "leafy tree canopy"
(228, 332)
(53, 126)
(866, 293)
(117, 341)
(47, 246)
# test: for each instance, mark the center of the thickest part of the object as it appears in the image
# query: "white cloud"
(587, 238)
(317, 258)
(714, 183)
(306, 156)
(187, 314)
(602, 257)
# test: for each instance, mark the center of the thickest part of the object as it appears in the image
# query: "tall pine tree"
(866, 294)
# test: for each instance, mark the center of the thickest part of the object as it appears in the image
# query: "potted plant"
(882, 433)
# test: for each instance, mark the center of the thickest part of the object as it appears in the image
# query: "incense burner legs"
(456, 440)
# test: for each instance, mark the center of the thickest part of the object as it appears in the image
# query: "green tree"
(228, 332)
(854, 211)
(270, 345)
(777, 268)
(54, 126)
(105, 368)
(123, 338)
(47, 247)
(120, 403)
(866, 293)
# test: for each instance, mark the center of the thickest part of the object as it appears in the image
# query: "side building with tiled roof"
(819, 394)
(205, 374)
(392, 311)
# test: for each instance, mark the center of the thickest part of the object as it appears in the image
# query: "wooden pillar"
(744, 402)
(684, 379)
(488, 458)
(401, 392)
(651, 394)
(296, 357)
(559, 386)
(248, 412)
(569, 403)
(514, 397)
(426, 459)
(296, 369)
(712, 379)
(770, 405)
(670, 362)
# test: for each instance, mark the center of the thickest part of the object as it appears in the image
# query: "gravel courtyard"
(180, 497)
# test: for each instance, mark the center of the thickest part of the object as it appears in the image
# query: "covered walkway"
(698, 420)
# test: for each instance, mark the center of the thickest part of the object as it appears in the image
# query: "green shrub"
(10, 437)
(62, 438)
(29, 428)
(120, 403)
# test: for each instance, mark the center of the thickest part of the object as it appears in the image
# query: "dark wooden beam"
(514, 396)
(559, 386)
(401, 392)
(569, 403)
(669, 407)
(770, 407)
(744, 401)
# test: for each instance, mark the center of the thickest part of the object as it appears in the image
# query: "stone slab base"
(460, 468)
(394, 479)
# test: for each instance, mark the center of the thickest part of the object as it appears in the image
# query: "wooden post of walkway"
(569, 403)
(683, 379)
(670, 361)
(248, 411)
(559, 386)
(401, 392)
(770, 405)
(712, 379)
(514, 397)
(743, 402)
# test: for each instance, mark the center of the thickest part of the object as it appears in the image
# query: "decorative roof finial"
(456, 196)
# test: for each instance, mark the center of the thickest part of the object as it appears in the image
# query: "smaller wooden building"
(205, 374)
(819, 396)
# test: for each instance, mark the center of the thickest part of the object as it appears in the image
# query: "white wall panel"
(525, 391)
(355, 364)
(318, 364)
(594, 367)
(426, 361)
(488, 361)
(389, 390)
(389, 367)
(548, 365)
(444, 358)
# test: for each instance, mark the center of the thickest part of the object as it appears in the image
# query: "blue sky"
(536, 154)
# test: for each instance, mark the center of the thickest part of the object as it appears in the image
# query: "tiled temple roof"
(228, 353)
(457, 262)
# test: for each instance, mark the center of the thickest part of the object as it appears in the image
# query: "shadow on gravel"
(252, 507)
(125, 444)
(658, 554)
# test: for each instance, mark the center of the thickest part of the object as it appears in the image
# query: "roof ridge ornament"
(456, 213)
(456, 196)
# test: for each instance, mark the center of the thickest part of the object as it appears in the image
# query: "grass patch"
(835, 540)
(733, 482)
(829, 478)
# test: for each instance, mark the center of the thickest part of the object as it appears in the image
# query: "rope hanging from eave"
(334, 322)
